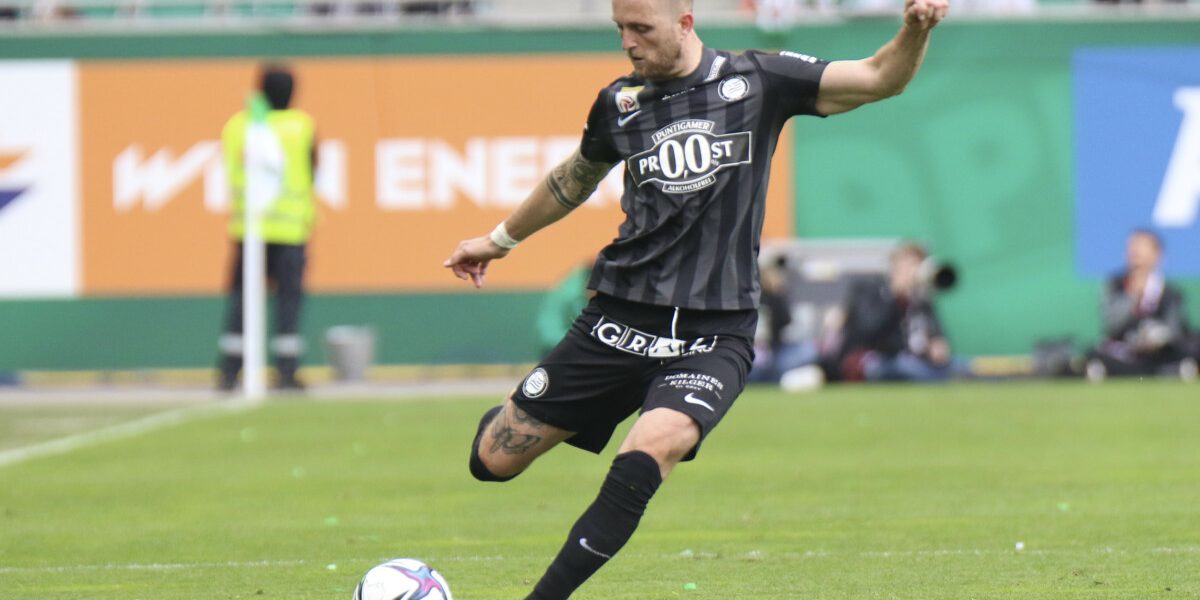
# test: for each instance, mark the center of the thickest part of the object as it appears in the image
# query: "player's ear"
(687, 22)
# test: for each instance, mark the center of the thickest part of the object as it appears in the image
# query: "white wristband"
(501, 238)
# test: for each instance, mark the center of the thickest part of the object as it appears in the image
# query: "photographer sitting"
(1145, 328)
(890, 330)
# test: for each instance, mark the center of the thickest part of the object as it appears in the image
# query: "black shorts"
(620, 357)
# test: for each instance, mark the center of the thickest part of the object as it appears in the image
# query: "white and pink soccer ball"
(402, 579)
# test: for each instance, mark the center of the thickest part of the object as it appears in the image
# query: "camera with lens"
(934, 276)
(937, 275)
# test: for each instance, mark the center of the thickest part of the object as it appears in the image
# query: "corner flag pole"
(263, 161)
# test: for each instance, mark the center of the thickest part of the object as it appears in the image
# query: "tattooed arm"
(563, 190)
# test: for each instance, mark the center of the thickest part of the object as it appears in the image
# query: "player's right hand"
(470, 259)
(925, 14)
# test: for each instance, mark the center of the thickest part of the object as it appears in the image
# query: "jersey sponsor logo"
(627, 339)
(687, 156)
(694, 382)
(734, 87)
(796, 55)
(536, 383)
(627, 99)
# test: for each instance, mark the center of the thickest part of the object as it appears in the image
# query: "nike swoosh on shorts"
(690, 399)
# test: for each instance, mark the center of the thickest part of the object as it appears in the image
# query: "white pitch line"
(182, 415)
(810, 554)
(129, 429)
(154, 566)
(434, 559)
(249, 564)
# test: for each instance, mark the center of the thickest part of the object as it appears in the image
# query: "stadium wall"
(981, 157)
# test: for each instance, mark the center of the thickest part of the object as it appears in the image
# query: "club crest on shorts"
(627, 99)
(733, 88)
(536, 383)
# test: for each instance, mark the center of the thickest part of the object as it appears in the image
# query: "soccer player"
(670, 329)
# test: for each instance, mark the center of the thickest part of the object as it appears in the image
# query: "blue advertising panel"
(1137, 154)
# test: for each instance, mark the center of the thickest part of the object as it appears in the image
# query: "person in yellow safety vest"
(286, 227)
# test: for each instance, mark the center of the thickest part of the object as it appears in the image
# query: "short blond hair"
(681, 6)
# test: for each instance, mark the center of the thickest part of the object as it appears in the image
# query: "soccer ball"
(402, 579)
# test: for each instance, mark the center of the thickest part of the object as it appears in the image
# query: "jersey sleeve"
(795, 79)
(596, 144)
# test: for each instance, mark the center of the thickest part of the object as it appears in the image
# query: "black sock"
(604, 527)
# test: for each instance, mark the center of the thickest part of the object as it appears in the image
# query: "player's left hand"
(925, 14)
(471, 258)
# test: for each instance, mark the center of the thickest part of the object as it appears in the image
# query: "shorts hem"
(583, 444)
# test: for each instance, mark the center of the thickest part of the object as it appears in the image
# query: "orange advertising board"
(415, 154)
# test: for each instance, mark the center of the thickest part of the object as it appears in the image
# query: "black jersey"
(697, 153)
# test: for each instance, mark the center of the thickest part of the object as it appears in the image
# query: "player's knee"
(672, 430)
(637, 476)
(483, 472)
(667, 436)
(479, 469)
(669, 453)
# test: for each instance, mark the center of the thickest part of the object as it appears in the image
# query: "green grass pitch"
(867, 492)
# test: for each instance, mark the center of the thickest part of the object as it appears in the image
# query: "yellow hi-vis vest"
(289, 218)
